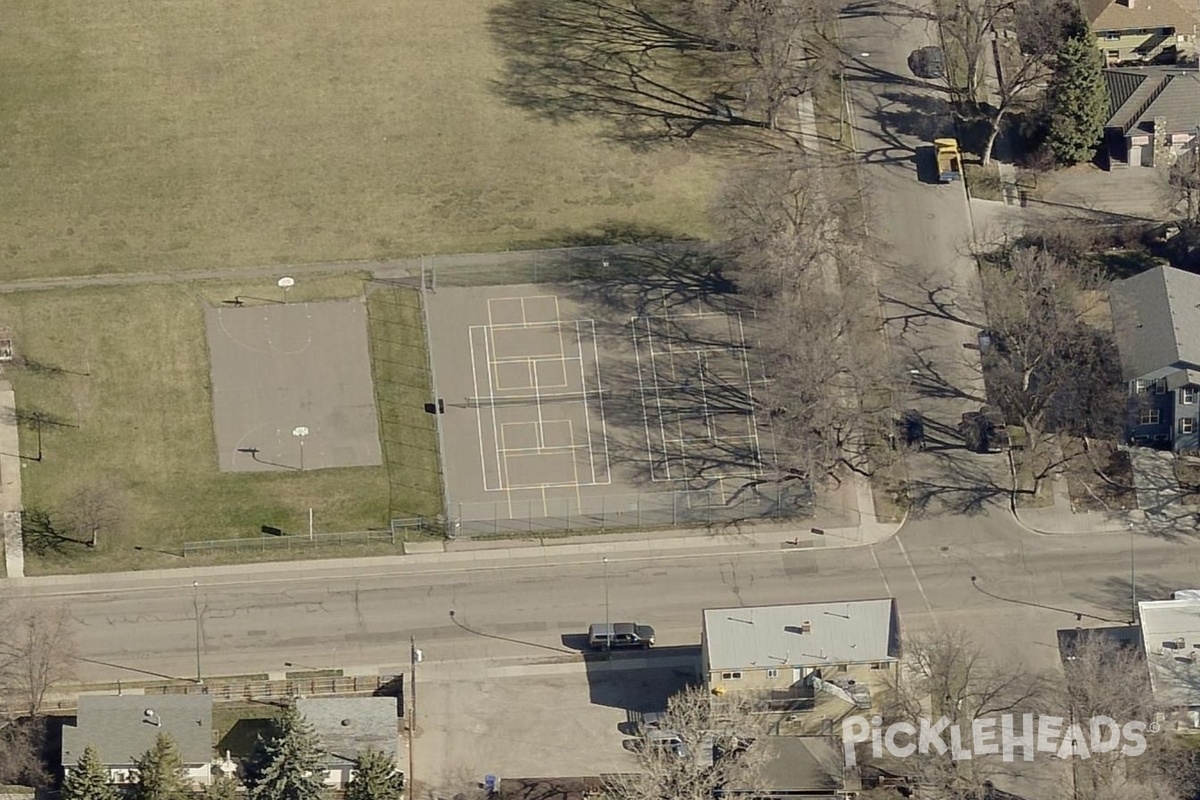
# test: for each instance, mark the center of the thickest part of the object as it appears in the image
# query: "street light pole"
(196, 614)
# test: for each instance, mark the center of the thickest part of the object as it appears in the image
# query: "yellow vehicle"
(949, 162)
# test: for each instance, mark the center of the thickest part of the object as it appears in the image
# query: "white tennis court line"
(737, 346)
(658, 398)
(503, 453)
(600, 397)
(483, 459)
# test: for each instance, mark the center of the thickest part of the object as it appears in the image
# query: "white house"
(122, 728)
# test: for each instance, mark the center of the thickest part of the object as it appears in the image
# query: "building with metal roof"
(1171, 640)
(820, 657)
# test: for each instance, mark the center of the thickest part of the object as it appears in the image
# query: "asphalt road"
(327, 615)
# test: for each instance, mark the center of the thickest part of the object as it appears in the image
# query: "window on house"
(879, 665)
(731, 676)
(1139, 386)
(1148, 416)
(1160, 386)
(1187, 425)
(843, 668)
(1110, 36)
(1187, 395)
(772, 673)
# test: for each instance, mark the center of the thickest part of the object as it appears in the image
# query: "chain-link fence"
(565, 265)
(680, 509)
(291, 542)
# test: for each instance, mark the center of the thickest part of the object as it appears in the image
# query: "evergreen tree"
(88, 780)
(287, 765)
(223, 787)
(375, 778)
(1078, 100)
(160, 772)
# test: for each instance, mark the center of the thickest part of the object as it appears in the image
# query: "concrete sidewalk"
(10, 484)
(1059, 518)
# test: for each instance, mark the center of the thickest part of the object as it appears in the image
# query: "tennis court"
(564, 412)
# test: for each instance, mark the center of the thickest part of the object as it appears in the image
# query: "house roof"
(1113, 15)
(810, 634)
(121, 728)
(1156, 315)
(1171, 638)
(347, 726)
(550, 788)
(1138, 95)
(808, 764)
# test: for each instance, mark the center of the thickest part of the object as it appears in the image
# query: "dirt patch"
(1187, 472)
(1099, 476)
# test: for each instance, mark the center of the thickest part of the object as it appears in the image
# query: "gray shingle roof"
(857, 631)
(120, 730)
(347, 726)
(1170, 92)
(1122, 84)
(1157, 318)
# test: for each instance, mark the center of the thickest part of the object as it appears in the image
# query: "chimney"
(806, 627)
(1127, 3)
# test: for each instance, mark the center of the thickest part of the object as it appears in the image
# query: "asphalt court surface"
(555, 408)
(292, 387)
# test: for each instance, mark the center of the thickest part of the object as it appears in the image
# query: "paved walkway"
(10, 484)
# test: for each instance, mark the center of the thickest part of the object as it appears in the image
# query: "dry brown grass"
(179, 135)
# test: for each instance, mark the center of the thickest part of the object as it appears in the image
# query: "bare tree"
(94, 508)
(37, 651)
(1103, 677)
(1019, 38)
(946, 674)
(1048, 366)
(726, 726)
(782, 41)
(21, 744)
(787, 219)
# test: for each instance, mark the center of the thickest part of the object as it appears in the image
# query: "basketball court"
(291, 387)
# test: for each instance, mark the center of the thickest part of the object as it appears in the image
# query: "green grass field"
(131, 411)
(180, 135)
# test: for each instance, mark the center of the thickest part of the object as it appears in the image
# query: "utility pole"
(414, 658)
(196, 612)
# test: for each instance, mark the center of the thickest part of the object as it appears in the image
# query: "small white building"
(825, 658)
(1171, 640)
(123, 727)
(349, 726)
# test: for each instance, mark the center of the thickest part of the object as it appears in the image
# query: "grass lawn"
(131, 410)
(174, 136)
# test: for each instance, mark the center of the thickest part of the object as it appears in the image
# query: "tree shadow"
(1115, 593)
(42, 534)
(646, 77)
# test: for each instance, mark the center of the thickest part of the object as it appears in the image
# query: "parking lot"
(564, 718)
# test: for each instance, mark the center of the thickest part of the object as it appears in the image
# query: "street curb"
(1012, 508)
